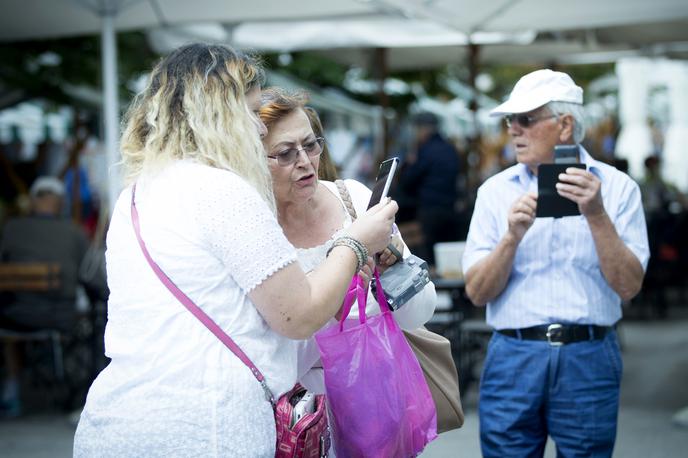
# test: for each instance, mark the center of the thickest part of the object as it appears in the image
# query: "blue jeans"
(530, 389)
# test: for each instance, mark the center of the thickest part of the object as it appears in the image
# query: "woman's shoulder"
(196, 177)
(356, 186)
(203, 172)
(358, 191)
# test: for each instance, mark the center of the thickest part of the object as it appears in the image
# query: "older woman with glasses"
(312, 212)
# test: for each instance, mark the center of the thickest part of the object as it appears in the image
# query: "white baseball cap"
(538, 88)
(47, 184)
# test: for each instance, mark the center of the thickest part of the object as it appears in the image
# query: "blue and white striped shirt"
(555, 277)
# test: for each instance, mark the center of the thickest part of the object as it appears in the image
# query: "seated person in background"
(311, 211)
(43, 236)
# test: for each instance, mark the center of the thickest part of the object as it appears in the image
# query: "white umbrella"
(432, 33)
(33, 19)
(36, 19)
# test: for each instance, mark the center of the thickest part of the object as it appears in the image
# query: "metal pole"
(111, 105)
(381, 71)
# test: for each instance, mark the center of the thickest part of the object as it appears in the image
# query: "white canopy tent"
(36, 19)
(457, 23)
(431, 33)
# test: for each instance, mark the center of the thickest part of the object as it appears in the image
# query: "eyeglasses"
(525, 120)
(288, 156)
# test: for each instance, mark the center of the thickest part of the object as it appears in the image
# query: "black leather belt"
(559, 334)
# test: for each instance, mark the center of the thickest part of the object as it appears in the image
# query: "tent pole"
(381, 72)
(473, 68)
(111, 105)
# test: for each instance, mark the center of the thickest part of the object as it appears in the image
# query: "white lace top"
(172, 388)
(415, 313)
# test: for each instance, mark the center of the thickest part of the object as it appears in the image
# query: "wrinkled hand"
(374, 226)
(386, 258)
(583, 188)
(522, 215)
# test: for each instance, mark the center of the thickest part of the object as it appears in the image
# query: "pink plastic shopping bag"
(379, 401)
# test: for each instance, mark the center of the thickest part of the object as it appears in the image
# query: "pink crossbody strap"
(192, 307)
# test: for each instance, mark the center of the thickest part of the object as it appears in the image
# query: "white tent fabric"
(635, 140)
(35, 19)
(675, 159)
(375, 31)
(637, 79)
(32, 19)
(520, 15)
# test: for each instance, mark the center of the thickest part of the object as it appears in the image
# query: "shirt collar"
(520, 172)
(592, 165)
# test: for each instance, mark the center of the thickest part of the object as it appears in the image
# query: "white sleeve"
(241, 230)
(483, 233)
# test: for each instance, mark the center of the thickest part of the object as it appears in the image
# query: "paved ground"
(655, 385)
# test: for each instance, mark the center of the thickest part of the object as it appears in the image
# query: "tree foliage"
(43, 69)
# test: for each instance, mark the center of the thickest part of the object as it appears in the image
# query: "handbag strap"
(192, 307)
(380, 296)
(380, 293)
(346, 198)
(358, 293)
(348, 203)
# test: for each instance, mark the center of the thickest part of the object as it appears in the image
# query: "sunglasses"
(288, 156)
(525, 120)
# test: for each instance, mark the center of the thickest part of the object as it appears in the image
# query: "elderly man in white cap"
(553, 286)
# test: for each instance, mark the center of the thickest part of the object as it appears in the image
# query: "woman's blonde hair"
(194, 107)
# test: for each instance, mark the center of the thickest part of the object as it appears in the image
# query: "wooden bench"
(35, 277)
(29, 276)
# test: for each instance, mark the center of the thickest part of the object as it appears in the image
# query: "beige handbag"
(433, 352)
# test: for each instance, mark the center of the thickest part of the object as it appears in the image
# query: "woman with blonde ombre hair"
(200, 201)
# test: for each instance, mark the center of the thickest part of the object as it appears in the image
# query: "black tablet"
(550, 203)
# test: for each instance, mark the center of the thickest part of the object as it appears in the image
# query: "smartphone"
(566, 154)
(383, 181)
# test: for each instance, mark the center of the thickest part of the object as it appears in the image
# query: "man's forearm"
(620, 267)
(488, 278)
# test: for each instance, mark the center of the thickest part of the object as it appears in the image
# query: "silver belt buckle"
(554, 332)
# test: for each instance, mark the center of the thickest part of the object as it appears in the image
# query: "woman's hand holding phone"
(374, 227)
(383, 181)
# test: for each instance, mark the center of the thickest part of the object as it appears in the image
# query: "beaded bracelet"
(358, 248)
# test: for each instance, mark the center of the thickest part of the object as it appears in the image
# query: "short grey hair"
(574, 109)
